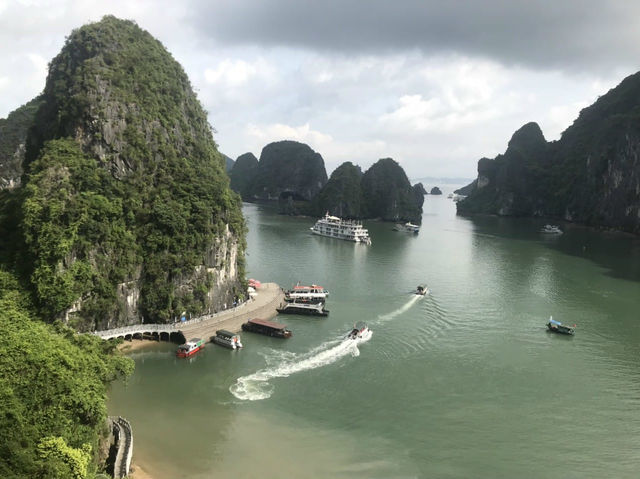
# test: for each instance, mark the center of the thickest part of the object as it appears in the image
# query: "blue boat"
(558, 327)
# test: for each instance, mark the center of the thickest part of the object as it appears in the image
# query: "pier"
(263, 305)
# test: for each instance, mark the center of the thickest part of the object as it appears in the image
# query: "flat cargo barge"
(268, 328)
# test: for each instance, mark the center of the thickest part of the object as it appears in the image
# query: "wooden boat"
(558, 327)
(190, 348)
(268, 328)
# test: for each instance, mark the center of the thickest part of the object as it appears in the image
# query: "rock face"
(590, 176)
(228, 163)
(288, 169)
(13, 136)
(341, 196)
(242, 175)
(387, 193)
(419, 188)
(436, 191)
(128, 211)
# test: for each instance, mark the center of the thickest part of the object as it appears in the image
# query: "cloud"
(587, 34)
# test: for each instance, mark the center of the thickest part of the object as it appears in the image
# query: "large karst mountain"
(126, 212)
(591, 175)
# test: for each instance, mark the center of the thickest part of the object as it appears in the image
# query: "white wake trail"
(402, 309)
(256, 386)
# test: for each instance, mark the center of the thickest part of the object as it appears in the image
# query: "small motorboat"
(421, 290)
(359, 331)
(551, 229)
(558, 327)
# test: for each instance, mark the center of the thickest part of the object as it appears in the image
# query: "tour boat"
(359, 331)
(268, 328)
(306, 292)
(551, 229)
(558, 327)
(407, 228)
(302, 306)
(190, 348)
(421, 290)
(227, 339)
(334, 227)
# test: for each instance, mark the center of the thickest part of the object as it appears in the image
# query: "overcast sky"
(436, 85)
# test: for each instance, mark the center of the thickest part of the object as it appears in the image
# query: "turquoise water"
(464, 382)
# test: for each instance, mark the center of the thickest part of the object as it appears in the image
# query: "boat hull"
(560, 329)
(305, 311)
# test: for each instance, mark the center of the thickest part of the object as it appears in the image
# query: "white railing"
(164, 328)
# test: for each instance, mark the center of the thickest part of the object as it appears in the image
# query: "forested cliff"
(591, 175)
(126, 211)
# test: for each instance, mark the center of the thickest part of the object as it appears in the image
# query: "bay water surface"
(464, 382)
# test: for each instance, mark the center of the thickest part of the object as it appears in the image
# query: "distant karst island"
(294, 175)
(591, 175)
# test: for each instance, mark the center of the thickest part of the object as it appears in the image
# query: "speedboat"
(421, 290)
(551, 229)
(558, 327)
(359, 331)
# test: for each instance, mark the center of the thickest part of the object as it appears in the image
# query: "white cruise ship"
(335, 227)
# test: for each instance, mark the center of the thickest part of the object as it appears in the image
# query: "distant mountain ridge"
(591, 175)
(294, 175)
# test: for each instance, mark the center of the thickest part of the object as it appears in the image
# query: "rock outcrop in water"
(341, 196)
(242, 175)
(288, 169)
(388, 195)
(127, 211)
(591, 175)
(435, 191)
(13, 136)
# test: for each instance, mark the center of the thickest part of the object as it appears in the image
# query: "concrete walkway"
(268, 298)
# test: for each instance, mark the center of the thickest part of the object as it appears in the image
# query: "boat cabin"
(268, 328)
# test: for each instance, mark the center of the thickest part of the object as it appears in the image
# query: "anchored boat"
(190, 348)
(551, 229)
(313, 292)
(227, 339)
(268, 328)
(558, 327)
(407, 228)
(303, 307)
(335, 227)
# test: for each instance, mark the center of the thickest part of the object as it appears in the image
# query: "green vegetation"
(242, 175)
(13, 134)
(52, 392)
(125, 184)
(341, 195)
(387, 193)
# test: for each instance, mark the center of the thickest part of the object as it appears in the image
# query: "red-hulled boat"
(190, 348)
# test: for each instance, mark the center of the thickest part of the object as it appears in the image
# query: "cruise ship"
(335, 227)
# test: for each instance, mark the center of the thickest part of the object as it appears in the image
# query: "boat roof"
(224, 332)
(269, 324)
(308, 287)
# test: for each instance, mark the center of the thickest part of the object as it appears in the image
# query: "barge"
(268, 328)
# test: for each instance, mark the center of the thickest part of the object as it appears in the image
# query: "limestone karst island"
(254, 240)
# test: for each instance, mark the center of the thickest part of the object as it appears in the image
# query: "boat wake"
(402, 309)
(256, 386)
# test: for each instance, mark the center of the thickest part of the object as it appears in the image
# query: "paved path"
(263, 305)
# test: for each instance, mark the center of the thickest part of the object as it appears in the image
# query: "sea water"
(462, 382)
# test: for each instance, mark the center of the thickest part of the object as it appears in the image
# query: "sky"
(435, 85)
